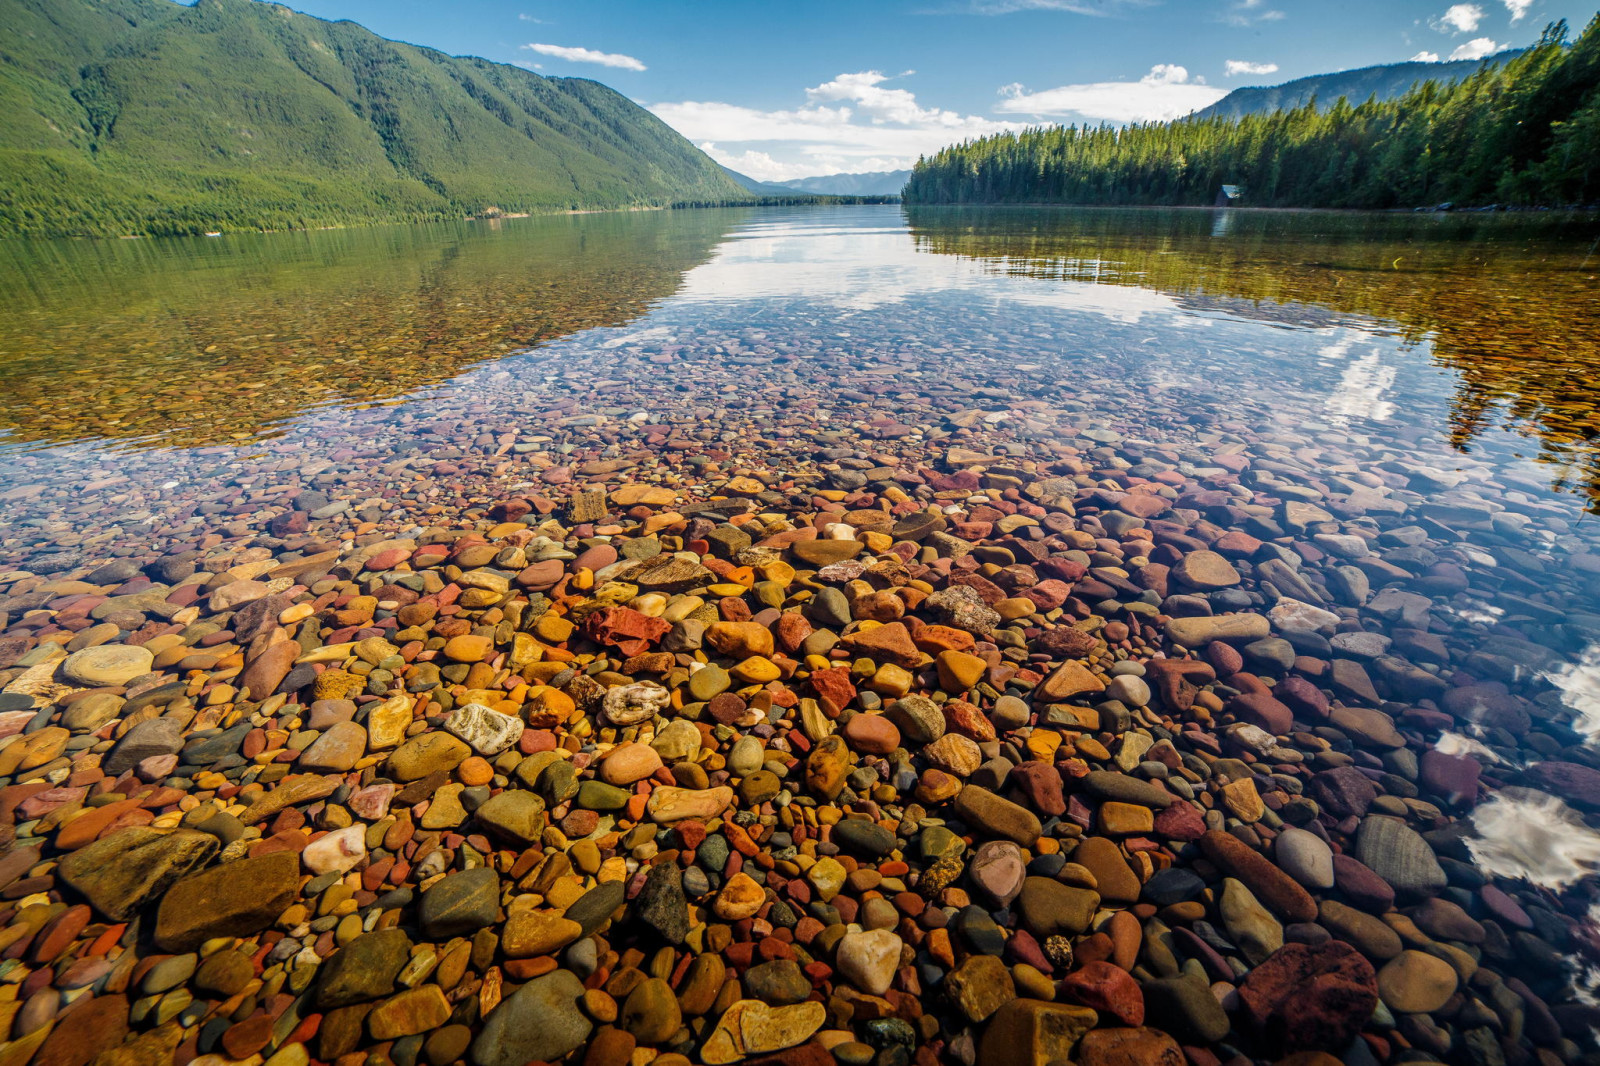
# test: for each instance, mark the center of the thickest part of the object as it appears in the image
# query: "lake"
(1388, 423)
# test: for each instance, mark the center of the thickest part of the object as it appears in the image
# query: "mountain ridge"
(146, 116)
(1386, 81)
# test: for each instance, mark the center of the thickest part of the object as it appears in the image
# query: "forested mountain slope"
(145, 116)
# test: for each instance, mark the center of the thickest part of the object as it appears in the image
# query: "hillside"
(1386, 82)
(1524, 132)
(144, 116)
(760, 188)
(870, 183)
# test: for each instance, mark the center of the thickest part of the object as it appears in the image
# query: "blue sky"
(787, 90)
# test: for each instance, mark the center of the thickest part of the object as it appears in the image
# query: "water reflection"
(194, 342)
(1505, 302)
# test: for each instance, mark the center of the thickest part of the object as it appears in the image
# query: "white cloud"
(1518, 8)
(1425, 57)
(1250, 12)
(525, 17)
(1458, 18)
(1477, 48)
(851, 123)
(1244, 66)
(1164, 93)
(587, 55)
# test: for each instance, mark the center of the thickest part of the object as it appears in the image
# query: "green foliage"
(144, 116)
(1525, 132)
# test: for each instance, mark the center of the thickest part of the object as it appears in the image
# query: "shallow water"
(158, 393)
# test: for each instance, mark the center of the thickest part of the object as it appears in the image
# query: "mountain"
(146, 116)
(869, 183)
(1387, 82)
(760, 188)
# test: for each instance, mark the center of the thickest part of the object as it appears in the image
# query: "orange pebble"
(475, 771)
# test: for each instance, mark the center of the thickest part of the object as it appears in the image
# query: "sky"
(782, 91)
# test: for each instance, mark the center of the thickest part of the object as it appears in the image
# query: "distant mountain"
(869, 183)
(146, 116)
(1386, 82)
(761, 188)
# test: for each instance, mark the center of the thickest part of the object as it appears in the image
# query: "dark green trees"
(1526, 132)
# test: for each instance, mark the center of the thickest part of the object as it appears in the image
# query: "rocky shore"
(1098, 754)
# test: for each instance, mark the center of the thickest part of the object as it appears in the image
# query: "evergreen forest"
(1526, 132)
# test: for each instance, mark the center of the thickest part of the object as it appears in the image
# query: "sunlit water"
(153, 390)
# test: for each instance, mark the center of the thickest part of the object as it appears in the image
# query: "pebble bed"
(585, 714)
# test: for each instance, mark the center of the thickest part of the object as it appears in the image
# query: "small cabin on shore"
(1229, 196)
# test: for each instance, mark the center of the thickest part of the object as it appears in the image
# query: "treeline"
(1525, 132)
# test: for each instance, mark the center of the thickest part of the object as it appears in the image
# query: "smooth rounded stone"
(460, 903)
(869, 959)
(120, 872)
(1050, 908)
(1121, 788)
(669, 804)
(1142, 1046)
(149, 739)
(1172, 885)
(1107, 988)
(997, 816)
(1199, 631)
(997, 869)
(746, 757)
(362, 970)
(336, 750)
(1415, 982)
(1035, 1032)
(1280, 892)
(861, 836)
(980, 986)
(598, 796)
(169, 973)
(539, 1022)
(89, 713)
(1114, 878)
(106, 665)
(778, 983)
(1186, 1008)
(487, 732)
(537, 933)
(1205, 570)
(662, 905)
(1371, 936)
(426, 754)
(630, 704)
(224, 974)
(954, 754)
(751, 1027)
(650, 1013)
(679, 739)
(339, 851)
(1292, 614)
(597, 906)
(513, 814)
(1306, 998)
(1129, 690)
(918, 718)
(1009, 713)
(235, 899)
(874, 734)
(1399, 855)
(1249, 924)
(1305, 857)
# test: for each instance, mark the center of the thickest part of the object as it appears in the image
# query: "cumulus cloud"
(1250, 12)
(588, 55)
(1425, 56)
(851, 123)
(1164, 93)
(1235, 67)
(1458, 18)
(1518, 8)
(1477, 48)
